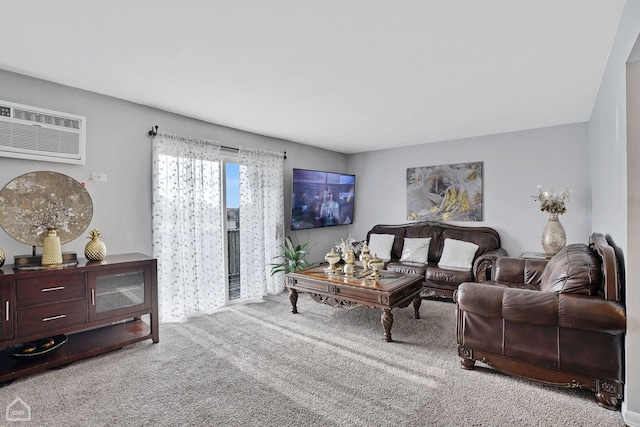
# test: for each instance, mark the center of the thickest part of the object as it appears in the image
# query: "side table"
(534, 255)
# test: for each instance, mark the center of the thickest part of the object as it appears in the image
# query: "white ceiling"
(346, 75)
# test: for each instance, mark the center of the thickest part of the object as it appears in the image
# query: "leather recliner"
(560, 322)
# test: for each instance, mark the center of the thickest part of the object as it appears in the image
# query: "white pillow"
(380, 245)
(416, 250)
(457, 254)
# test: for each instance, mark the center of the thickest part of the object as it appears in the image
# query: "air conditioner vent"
(39, 134)
(50, 119)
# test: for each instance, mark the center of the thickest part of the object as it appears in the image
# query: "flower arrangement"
(48, 215)
(350, 244)
(551, 201)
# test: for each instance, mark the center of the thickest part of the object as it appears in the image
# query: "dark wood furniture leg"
(416, 306)
(293, 297)
(387, 322)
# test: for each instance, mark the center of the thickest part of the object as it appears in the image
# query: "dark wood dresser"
(99, 305)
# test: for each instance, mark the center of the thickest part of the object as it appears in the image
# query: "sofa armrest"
(511, 270)
(479, 298)
(570, 311)
(483, 265)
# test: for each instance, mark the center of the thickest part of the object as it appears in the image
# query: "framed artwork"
(445, 192)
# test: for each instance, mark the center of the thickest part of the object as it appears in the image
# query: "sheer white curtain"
(261, 221)
(187, 225)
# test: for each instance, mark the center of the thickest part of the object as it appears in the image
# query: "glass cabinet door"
(118, 291)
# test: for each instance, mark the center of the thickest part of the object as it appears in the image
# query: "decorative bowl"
(36, 349)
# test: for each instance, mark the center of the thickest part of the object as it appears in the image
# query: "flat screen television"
(321, 199)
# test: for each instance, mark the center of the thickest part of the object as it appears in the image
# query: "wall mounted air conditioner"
(39, 134)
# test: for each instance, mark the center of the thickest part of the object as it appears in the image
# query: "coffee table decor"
(332, 258)
(376, 264)
(365, 256)
(347, 249)
(387, 291)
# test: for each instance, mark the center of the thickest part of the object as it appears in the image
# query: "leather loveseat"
(560, 322)
(441, 280)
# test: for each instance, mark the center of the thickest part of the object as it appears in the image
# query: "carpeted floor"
(259, 365)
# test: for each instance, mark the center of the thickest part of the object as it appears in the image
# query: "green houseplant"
(292, 258)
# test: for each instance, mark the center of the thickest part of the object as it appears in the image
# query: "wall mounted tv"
(321, 199)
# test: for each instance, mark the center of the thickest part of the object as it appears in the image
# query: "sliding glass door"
(231, 212)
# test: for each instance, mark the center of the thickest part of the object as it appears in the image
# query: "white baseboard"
(631, 419)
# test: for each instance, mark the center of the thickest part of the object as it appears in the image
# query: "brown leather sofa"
(560, 322)
(442, 282)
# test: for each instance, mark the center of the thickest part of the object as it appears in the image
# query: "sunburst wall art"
(445, 192)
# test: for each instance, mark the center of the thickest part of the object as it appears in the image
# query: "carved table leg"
(293, 297)
(416, 306)
(387, 322)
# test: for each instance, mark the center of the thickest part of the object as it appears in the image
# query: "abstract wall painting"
(445, 192)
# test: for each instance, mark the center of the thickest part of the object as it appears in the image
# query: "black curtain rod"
(154, 131)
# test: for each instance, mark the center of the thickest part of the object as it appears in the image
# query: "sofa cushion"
(397, 231)
(380, 245)
(424, 231)
(486, 241)
(575, 269)
(457, 254)
(449, 275)
(415, 250)
(413, 268)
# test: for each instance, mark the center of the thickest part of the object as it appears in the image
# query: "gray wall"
(514, 164)
(118, 145)
(614, 156)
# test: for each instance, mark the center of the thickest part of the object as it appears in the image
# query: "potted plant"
(292, 258)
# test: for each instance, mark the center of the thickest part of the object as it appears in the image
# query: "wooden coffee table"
(388, 292)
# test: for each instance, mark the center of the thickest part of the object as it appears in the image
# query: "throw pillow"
(380, 245)
(416, 249)
(457, 254)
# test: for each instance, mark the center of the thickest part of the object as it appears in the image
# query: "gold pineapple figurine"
(95, 249)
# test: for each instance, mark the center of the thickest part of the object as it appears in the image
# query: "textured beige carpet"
(259, 365)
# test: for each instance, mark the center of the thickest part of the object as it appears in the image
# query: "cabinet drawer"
(55, 288)
(48, 318)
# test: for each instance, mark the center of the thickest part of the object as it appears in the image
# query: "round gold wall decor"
(36, 202)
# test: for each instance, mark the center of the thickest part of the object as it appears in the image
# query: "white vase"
(553, 236)
(51, 249)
